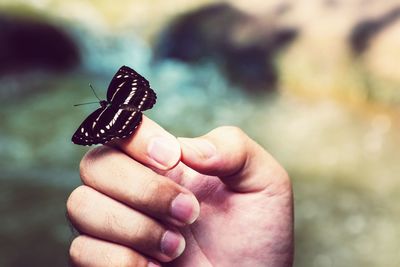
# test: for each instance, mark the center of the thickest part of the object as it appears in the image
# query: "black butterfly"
(119, 116)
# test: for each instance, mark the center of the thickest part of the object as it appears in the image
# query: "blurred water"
(343, 161)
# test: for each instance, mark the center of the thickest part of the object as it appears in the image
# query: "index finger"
(151, 145)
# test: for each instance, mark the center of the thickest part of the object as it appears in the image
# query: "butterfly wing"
(115, 122)
(84, 135)
(128, 94)
(130, 88)
(104, 125)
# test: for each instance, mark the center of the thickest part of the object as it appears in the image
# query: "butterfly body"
(104, 103)
(120, 114)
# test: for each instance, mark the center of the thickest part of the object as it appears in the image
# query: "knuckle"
(284, 174)
(233, 133)
(76, 250)
(88, 162)
(283, 183)
(85, 251)
(77, 200)
(237, 138)
(284, 177)
(126, 258)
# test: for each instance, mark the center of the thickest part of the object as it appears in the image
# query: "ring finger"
(120, 224)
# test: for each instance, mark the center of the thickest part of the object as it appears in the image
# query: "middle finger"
(120, 177)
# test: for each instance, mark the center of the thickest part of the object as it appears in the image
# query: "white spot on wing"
(131, 94)
(98, 117)
(114, 119)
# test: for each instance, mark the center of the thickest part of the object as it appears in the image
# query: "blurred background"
(316, 82)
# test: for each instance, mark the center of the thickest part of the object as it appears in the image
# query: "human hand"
(128, 212)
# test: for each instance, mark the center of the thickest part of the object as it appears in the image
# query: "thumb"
(240, 163)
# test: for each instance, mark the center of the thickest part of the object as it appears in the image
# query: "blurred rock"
(243, 47)
(28, 44)
(366, 30)
(199, 33)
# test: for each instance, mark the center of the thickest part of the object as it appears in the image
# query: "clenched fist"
(156, 200)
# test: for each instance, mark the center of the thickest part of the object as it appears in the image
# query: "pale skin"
(156, 200)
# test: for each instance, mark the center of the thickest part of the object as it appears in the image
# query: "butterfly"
(120, 114)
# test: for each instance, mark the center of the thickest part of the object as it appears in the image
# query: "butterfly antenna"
(94, 92)
(85, 103)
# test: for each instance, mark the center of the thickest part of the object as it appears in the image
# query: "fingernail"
(185, 208)
(153, 264)
(172, 244)
(202, 147)
(164, 151)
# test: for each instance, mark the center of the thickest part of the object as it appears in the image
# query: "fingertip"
(151, 145)
(153, 264)
(163, 152)
(185, 208)
(172, 244)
